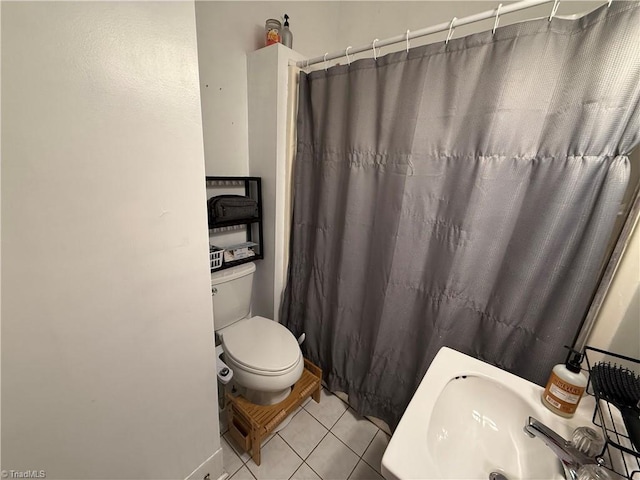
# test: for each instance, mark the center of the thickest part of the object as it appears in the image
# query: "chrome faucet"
(570, 457)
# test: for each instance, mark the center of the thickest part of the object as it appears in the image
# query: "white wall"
(617, 328)
(269, 78)
(107, 352)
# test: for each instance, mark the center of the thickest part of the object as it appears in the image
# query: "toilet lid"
(261, 344)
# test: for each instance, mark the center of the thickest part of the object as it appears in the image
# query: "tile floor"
(327, 441)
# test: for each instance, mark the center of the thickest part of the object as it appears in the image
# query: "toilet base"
(265, 398)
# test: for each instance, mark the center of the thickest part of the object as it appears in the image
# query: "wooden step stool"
(250, 424)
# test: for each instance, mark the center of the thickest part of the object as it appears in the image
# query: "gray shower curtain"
(459, 195)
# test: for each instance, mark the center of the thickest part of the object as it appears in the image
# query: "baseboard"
(211, 469)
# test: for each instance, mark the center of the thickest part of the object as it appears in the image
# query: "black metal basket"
(619, 454)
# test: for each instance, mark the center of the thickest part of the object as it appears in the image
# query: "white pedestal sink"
(466, 421)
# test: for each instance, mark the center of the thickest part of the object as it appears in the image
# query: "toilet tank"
(231, 294)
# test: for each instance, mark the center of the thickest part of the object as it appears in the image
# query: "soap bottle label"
(562, 395)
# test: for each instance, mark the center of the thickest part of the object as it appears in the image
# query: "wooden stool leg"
(255, 446)
(229, 415)
(316, 394)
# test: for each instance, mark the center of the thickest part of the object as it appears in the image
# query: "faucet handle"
(588, 441)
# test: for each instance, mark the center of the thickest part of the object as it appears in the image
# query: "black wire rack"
(619, 454)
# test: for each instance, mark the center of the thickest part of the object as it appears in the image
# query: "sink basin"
(481, 420)
(466, 421)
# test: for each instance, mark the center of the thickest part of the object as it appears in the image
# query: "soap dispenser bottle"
(287, 36)
(565, 386)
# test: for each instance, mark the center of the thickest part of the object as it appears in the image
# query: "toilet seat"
(261, 346)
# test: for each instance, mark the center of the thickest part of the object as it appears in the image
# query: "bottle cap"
(286, 20)
(574, 359)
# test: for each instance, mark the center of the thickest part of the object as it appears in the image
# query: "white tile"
(328, 411)
(244, 456)
(373, 455)
(295, 412)
(303, 433)
(243, 474)
(230, 461)
(364, 472)
(277, 461)
(354, 430)
(305, 472)
(342, 396)
(266, 440)
(304, 402)
(381, 424)
(332, 459)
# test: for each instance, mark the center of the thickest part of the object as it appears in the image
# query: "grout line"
(235, 450)
(372, 439)
(273, 435)
(311, 468)
(354, 468)
(296, 469)
(293, 449)
(350, 449)
(222, 439)
(332, 425)
(248, 470)
(314, 449)
(261, 447)
(335, 436)
(251, 473)
(356, 453)
(326, 431)
(336, 422)
(317, 421)
(378, 470)
(349, 407)
(236, 471)
(371, 466)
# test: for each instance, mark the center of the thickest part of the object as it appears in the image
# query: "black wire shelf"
(252, 227)
(619, 454)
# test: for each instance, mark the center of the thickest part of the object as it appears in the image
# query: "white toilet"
(264, 356)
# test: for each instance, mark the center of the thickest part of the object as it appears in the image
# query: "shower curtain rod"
(441, 27)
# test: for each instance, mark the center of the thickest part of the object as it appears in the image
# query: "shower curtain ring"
(556, 4)
(451, 29)
(325, 61)
(346, 52)
(373, 44)
(609, 4)
(495, 24)
(407, 41)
